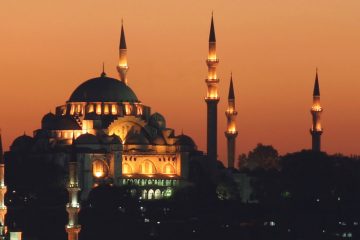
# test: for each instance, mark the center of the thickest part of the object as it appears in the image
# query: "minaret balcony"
(73, 228)
(212, 80)
(316, 108)
(212, 98)
(212, 62)
(231, 113)
(316, 131)
(231, 133)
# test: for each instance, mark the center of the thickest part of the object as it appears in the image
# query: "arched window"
(100, 169)
(147, 167)
(114, 109)
(106, 109)
(157, 194)
(144, 194)
(168, 169)
(151, 194)
(126, 168)
(168, 193)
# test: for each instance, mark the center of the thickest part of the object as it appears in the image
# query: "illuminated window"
(78, 108)
(144, 194)
(90, 108)
(72, 109)
(151, 194)
(139, 110)
(100, 169)
(168, 192)
(106, 109)
(147, 167)
(98, 109)
(126, 169)
(157, 194)
(128, 109)
(113, 109)
(168, 169)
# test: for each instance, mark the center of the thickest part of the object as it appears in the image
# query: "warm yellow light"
(106, 109)
(98, 109)
(113, 109)
(168, 169)
(91, 108)
(232, 129)
(147, 167)
(316, 108)
(139, 110)
(126, 168)
(99, 169)
(78, 108)
(128, 109)
(72, 109)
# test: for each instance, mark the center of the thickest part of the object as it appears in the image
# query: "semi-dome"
(22, 143)
(48, 121)
(157, 120)
(103, 89)
(66, 123)
(87, 138)
(110, 139)
(159, 140)
(116, 139)
(185, 140)
(136, 139)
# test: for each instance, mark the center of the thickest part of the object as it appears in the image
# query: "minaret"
(122, 67)
(212, 97)
(73, 207)
(3, 189)
(231, 132)
(316, 110)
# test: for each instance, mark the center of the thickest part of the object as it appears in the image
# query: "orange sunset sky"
(47, 48)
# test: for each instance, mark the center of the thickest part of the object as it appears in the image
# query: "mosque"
(118, 140)
(103, 134)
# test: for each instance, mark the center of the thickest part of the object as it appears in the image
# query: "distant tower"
(122, 67)
(212, 97)
(316, 110)
(231, 132)
(73, 207)
(3, 189)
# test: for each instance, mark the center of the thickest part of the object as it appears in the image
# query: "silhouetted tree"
(262, 156)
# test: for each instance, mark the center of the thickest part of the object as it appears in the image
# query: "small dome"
(87, 138)
(67, 123)
(22, 143)
(116, 139)
(48, 121)
(184, 140)
(136, 139)
(159, 140)
(157, 120)
(112, 139)
(103, 89)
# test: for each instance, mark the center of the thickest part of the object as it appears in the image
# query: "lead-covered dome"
(103, 89)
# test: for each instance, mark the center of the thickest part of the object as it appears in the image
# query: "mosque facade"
(117, 139)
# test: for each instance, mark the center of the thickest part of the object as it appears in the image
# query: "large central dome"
(103, 89)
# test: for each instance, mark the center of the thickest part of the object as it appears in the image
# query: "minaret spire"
(212, 97)
(73, 207)
(212, 37)
(122, 67)
(3, 190)
(231, 132)
(103, 74)
(316, 85)
(316, 110)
